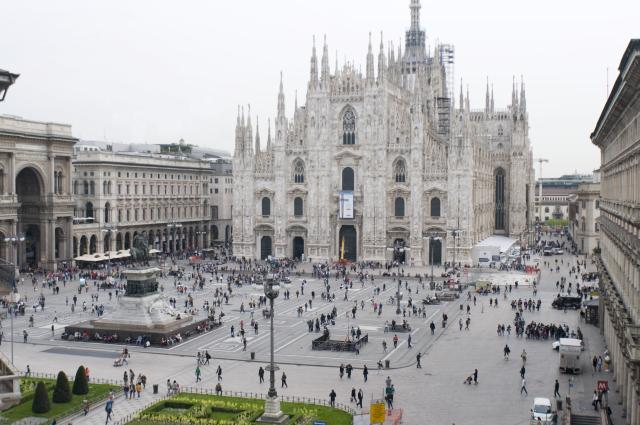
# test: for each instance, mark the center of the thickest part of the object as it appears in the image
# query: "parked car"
(541, 409)
(567, 301)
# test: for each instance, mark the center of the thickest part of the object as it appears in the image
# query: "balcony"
(632, 333)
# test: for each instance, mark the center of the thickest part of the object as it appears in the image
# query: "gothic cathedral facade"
(383, 166)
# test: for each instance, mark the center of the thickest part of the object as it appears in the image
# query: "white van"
(541, 409)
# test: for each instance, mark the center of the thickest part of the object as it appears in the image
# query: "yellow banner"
(376, 413)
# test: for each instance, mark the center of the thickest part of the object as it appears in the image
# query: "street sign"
(603, 386)
(376, 413)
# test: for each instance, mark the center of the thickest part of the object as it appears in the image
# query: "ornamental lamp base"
(272, 413)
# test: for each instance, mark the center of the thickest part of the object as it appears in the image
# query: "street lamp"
(15, 298)
(109, 229)
(15, 241)
(272, 413)
(432, 237)
(173, 224)
(6, 80)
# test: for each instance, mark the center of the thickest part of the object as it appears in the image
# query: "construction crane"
(540, 161)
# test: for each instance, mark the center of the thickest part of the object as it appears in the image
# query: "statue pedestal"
(142, 311)
(272, 413)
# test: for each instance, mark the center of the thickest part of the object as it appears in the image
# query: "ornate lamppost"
(109, 229)
(14, 241)
(432, 236)
(272, 413)
(6, 80)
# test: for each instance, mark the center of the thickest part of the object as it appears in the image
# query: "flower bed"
(200, 409)
(58, 410)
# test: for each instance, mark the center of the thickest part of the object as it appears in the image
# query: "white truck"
(570, 351)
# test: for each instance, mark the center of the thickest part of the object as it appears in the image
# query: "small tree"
(80, 384)
(62, 392)
(41, 402)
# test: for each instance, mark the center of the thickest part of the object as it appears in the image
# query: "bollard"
(155, 388)
(253, 355)
(387, 364)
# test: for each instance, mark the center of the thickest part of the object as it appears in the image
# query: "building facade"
(556, 195)
(36, 203)
(125, 190)
(383, 165)
(584, 215)
(617, 134)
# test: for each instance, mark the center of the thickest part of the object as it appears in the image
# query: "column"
(52, 167)
(11, 175)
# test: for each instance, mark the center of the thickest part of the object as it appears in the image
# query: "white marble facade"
(419, 167)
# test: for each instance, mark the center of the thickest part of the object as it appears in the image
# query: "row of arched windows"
(298, 207)
(399, 210)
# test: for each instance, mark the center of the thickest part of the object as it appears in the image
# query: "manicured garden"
(54, 398)
(200, 409)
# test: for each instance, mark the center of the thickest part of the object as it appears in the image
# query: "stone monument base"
(142, 312)
(272, 413)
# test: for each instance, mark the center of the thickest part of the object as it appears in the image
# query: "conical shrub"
(80, 384)
(62, 392)
(41, 403)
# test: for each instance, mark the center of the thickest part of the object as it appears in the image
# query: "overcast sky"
(157, 71)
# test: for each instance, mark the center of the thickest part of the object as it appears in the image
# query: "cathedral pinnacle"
(313, 80)
(370, 76)
(325, 63)
(257, 135)
(281, 99)
(523, 98)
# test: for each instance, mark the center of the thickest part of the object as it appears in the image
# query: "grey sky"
(158, 71)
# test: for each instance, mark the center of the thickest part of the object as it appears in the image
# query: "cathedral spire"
(461, 106)
(257, 135)
(268, 134)
(313, 81)
(381, 60)
(281, 114)
(514, 96)
(370, 76)
(325, 63)
(523, 98)
(239, 147)
(467, 101)
(487, 101)
(248, 132)
(492, 99)
(415, 15)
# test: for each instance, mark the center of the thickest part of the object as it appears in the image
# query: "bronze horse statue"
(140, 250)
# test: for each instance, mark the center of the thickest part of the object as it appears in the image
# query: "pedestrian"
(432, 326)
(284, 381)
(556, 389)
(353, 395)
(198, 372)
(365, 373)
(219, 373)
(418, 357)
(460, 323)
(85, 407)
(349, 369)
(360, 397)
(332, 398)
(341, 374)
(409, 341)
(522, 371)
(395, 341)
(108, 408)
(594, 400)
(139, 388)
(261, 374)
(506, 350)
(523, 387)
(475, 376)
